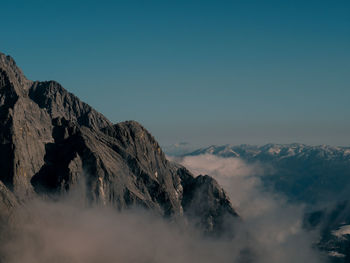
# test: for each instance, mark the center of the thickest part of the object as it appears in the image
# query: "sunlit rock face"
(50, 141)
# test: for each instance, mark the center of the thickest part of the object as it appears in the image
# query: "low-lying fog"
(70, 231)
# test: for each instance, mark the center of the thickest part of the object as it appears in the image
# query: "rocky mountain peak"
(50, 141)
(8, 67)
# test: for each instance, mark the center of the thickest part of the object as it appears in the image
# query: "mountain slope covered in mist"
(310, 174)
(50, 141)
(317, 177)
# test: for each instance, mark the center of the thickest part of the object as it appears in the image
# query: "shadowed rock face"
(334, 224)
(206, 203)
(50, 140)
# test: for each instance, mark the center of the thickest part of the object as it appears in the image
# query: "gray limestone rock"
(50, 140)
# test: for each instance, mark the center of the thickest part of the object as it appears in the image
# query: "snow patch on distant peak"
(274, 150)
(336, 254)
(342, 231)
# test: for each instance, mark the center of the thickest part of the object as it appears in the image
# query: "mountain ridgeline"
(315, 176)
(303, 173)
(50, 141)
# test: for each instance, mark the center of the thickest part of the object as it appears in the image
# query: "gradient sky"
(205, 72)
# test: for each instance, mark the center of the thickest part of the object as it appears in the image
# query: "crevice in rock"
(55, 175)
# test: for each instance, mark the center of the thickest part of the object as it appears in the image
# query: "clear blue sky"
(199, 71)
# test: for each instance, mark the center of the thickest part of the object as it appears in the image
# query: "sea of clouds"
(70, 230)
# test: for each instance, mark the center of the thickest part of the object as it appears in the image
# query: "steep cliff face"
(50, 140)
(7, 203)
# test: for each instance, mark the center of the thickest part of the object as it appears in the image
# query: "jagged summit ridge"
(50, 140)
(52, 97)
(8, 65)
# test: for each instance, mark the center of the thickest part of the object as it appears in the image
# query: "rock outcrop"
(50, 140)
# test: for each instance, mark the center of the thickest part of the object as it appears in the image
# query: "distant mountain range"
(318, 176)
(304, 173)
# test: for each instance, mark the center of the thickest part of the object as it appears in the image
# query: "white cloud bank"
(67, 231)
(274, 224)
